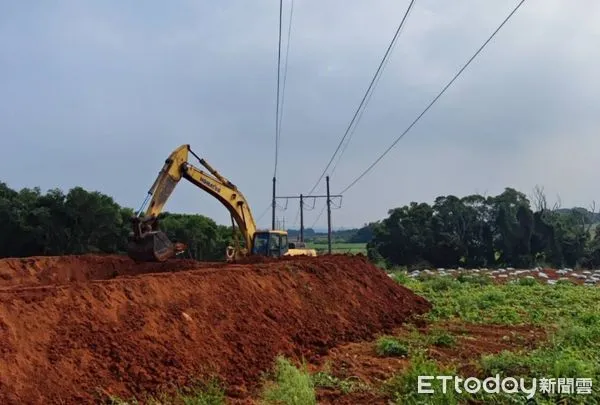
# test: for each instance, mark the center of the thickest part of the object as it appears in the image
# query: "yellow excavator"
(148, 243)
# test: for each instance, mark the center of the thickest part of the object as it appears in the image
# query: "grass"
(354, 248)
(324, 379)
(442, 339)
(290, 385)
(206, 394)
(388, 346)
(569, 313)
(402, 387)
(528, 303)
(202, 393)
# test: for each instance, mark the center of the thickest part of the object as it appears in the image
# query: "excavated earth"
(76, 329)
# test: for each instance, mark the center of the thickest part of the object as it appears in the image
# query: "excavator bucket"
(151, 247)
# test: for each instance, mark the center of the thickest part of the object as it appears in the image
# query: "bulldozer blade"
(152, 247)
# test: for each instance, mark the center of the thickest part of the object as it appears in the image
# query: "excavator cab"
(270, 243)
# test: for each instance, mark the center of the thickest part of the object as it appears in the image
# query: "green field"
(354, 248)
(569, 314)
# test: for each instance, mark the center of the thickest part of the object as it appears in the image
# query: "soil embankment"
(76, 328)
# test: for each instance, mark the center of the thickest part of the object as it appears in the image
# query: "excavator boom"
(148, 243)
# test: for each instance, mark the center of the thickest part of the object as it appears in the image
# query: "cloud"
(98, 94)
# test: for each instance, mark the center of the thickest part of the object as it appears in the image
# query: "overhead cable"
(278, 83)
(363, 101)
(368, 169)
(285, 66)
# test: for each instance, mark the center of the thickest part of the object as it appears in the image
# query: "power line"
(319, 216)
(323, 210)
(278, 80)
(285, 66)
(296, 218)
(362, 102)
(285, 69)
(264, 213)
(355, 126)
(434, 100)
(358, 120)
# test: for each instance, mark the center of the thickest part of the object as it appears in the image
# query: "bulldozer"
(148, 243)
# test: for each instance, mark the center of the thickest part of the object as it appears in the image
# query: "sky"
(98, 93)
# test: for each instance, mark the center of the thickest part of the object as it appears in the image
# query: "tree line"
(33, 223)
(472, 231)
(479, 231)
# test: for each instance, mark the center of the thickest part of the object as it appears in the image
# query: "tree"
(94, 220)
(479, 239)
(449, 224)
(513, 227)
(406, 237)
(470, 231)
(363, 235)
(487, 231)
(33, 223)
(205, 240)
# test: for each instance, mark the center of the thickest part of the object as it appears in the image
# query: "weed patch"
(204, 394)
(402, 388)
(387, 346)
(442, 339)
(291, 386)
(323, 379)
(570, 314)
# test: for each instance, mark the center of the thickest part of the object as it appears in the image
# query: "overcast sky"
(97, 94)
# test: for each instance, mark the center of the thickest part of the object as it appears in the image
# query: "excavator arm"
(148, 243)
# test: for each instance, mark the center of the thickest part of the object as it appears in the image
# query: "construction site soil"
(359, 361)
(76, 329)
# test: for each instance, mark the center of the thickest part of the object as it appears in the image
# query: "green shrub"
(390, 347)
(400, 276)
(505, 363)
(564, 282)
(491, 298)
(204, 394)
(403, 387)
(438, 283)
(291, 386)
(528, 281)
(443, 339)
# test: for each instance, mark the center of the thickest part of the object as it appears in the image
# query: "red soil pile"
(45, 270)
(78, 341)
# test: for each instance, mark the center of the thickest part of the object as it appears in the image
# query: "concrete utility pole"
(328, 218)
(301, 219)
(273, 207)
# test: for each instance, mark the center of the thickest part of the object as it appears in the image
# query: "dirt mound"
(144, 334)
(46, 270)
